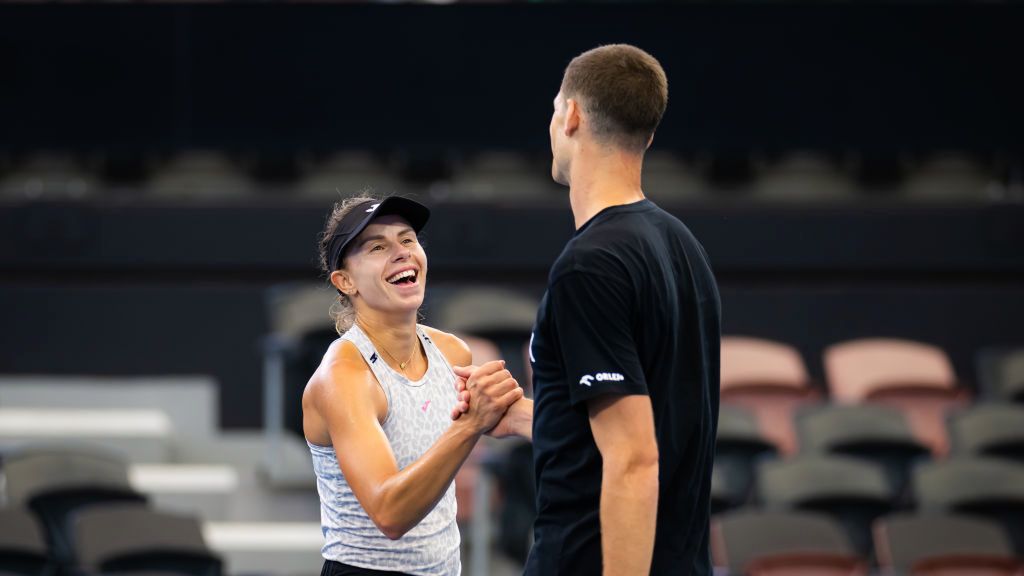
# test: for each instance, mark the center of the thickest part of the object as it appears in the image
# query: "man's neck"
(603, 179)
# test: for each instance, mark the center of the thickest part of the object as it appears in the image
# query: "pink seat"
(769, 379)
(858, 368)
(914, 377)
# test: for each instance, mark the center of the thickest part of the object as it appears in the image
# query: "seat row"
(75, 512)
(774, 543)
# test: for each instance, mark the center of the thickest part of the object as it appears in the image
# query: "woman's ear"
(341, 280)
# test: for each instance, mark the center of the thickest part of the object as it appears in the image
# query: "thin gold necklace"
(401, 364)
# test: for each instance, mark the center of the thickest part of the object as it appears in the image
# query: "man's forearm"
(523, 414)
(629, 510)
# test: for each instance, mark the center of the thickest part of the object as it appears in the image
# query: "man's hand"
(486, 393)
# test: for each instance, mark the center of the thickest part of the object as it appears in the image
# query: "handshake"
(491, 401)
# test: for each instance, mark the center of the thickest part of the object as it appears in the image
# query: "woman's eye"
(407, 241)
(376, 247)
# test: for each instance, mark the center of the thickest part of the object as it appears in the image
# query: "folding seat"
(851, 491)
(803, 177)
(878, 434)
(739, 447)
(1001, 374)
(990, 430)
(50, 176)
(132, 538)
(774, 543)
(948, 177)
(345, 173)
(200, 175)
(668, 178)
(987, 487)
(22, 544)
(56, 484)
(914, 377)
(769, 379)
(502, 176)
(938, 544)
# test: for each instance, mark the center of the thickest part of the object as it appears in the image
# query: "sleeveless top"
(418, 413)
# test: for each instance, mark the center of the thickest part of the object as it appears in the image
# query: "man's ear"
(572, 116)
(341, 280)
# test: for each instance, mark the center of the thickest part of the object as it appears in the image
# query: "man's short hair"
(623, 90)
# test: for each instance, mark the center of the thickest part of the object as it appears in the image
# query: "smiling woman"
(377, 411)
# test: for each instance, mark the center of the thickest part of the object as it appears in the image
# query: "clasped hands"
(485, 394)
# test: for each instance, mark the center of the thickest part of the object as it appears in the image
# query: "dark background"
(124, 286)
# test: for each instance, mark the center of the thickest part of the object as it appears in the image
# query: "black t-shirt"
(631, 308)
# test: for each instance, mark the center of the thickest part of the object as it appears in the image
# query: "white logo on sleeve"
(601, 377)
(372, 208)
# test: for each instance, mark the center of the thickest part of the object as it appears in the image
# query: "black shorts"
(332, 568)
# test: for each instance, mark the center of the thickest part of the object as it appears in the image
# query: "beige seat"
(949, 177)
(667, 178)
(200, 175)
(347, 173)
(915, 377)
(502, 176)
(803, 177)
(769, 379)
(49, 176)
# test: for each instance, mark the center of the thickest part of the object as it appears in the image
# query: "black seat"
(907, 540)
(57, 483)
(22, 544)
(852, 491)
(738, 448)
(878, 434)
(990, 430)
(743, 538)
(987, 487)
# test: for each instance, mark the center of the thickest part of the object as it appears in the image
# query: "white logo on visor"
(372, 208)
(602, 377)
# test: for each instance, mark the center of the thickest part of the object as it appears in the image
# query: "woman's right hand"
(491, 390)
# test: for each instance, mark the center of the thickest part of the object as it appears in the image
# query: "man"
(625, 351)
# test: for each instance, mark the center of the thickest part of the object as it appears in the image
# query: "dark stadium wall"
(879, 76)
(118, 289)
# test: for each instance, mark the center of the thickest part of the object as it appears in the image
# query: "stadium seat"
(990, 430)
(987, 487)
(852, 491)
(934, 544)
(878, 434)
(803, 177)
(738, 448)
(914, 377)
(199, 175)
(763, 543)
(22, 544)
(769, 379)
(346, 173)
(56, 484)
(133, 539)
(1001, 374)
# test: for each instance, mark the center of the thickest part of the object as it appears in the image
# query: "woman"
(377, 413)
